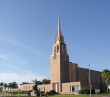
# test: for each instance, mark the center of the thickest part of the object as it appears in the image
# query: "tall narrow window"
(57, 48)
(54, 52)
(64, 51)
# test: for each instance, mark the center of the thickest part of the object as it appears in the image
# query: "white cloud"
(13, 42)
(13, 58)
(19, 78)
(26, 76)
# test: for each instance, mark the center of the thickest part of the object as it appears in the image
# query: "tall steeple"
(59, 31)
(59, 37)
(59, 62)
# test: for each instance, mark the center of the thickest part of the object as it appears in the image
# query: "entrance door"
(56, 87)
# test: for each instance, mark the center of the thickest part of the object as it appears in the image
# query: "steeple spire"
(59, 31)
(59, 37)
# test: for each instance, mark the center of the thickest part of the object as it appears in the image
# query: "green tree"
(46, 81)
(106, 76)
(1, 84)
(39, 82)
(14, 85)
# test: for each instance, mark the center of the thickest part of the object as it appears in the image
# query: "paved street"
(106, 96)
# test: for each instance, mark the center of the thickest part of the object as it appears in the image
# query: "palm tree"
(106, 76)
(5, 86)
(10, 86)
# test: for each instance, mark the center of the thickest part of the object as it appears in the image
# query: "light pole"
(89, 80)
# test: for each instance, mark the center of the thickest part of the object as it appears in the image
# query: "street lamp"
(89, 80)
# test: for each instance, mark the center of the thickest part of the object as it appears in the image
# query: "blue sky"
(28, 29)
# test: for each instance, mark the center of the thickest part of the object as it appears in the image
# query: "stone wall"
(47, 87)
(66, 87)
(73, 70)
(95, 76)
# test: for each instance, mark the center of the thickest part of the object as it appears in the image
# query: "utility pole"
(89, 80)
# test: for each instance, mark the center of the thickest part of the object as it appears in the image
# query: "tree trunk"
(5, 90)
(8, 89)
(107, 87)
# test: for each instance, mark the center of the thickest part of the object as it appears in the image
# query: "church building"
(67, 77)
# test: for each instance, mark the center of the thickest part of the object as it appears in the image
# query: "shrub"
(51, 92)
(86, 91)
(93, 91)
(23, 92)
(83, 91)
(101, 91)
(42, 93)
(29, 92)
(47, 93)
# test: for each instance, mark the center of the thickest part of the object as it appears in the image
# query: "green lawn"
(25, 95)
(9, 94)
(94, 95)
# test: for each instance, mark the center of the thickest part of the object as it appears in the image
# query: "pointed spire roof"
(59, 31)
(59, 37)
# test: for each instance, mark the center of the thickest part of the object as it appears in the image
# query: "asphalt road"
(106, 96)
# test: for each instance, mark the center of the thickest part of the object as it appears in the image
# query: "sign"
(97, 91)
(108, 86)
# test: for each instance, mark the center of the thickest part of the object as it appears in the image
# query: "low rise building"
(10, 89)
(24, 87)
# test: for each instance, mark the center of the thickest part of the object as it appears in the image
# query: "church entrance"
(56, 87)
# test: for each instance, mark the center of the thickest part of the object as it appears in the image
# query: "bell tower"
(59, 62)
